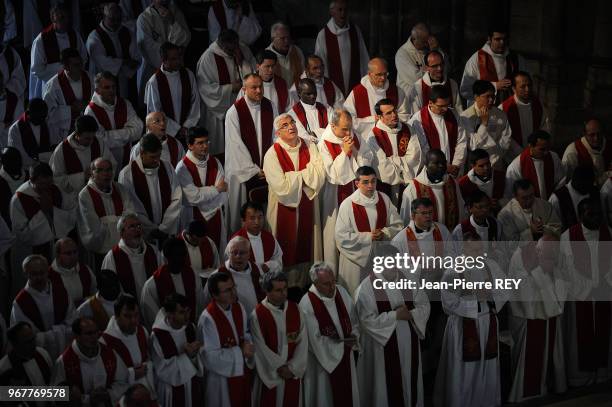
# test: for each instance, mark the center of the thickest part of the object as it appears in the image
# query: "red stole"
(43, 366)
(334, 62)
(268, 329)
(28, 140)
(71, 159)
(282, 93)
(267, 240)
(486, 66)
(51, 45)
(165, 286)
(340, 378)
(413, 243)
(165, 95)
(467, 187)
(119, 115)
(64, 82)
(344, 191)
(301, 114)
(72, 366)
(248, 132)
(84, 276)
(142, 188)
(383, 141)
(295, 224)
(466, 226)
(9, 110)
(206, 252)
(123, 267)
(330, 91)
(124, 353)
(451, 207)
(98, 203)
(361, 216)
(426, 91)
(535, 347)
(255, 277)
(222, 71)
(362, 100)
(471, 338)
(433, 138)
(60, 306)
(109, 46)
(585, 159)
(31, 205)
(219, 12)
(528, 171)
(509, 106)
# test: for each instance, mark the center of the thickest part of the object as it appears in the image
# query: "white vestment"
(71, 281)
(7, 120)
(245, 24)
(515, 220)
(197, 261)
(32, 25)
(313, 123)
(495, 138)
(338, 97)
(284, 62)
(414, 93)
(245, 290)
(570, 159)
(166, 154)
(14, 80)
(15, 140)
(575, 196)
(129, 14)
(30, 367)
(425, 240)
(514, 172)
(525, 112)
(487, 186)
(271, 93)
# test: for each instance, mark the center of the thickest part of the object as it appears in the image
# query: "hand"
(284, 372)
(261, 175)
(402, 313)
(537, 226)
(236, 86)
(484, 115)
(347, 145)
(503, 84)
(248, 350)
(191, 349)
(452, 170)
(221, 185)
(264, 267)
(377, 234)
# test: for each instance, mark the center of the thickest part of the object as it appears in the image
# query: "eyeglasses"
(134, 226)
(285, 126)
(109, 169)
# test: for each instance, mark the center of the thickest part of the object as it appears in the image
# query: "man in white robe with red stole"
(228, 349)
(220, 72)
(40, 212)
(340, 44)
(483, 177)
(265, 250)
(328, 93)
(469, 367)
(173, 277)
(101, 306)
(130, 342)
(172, 148)
(11, 109)
(46, 48)
(434, 183)
(76, 278)
(231, 14)
(112, 47)
(71, 159)
(118, 124)
(342, 152)
(174, 91)
(365, 217)
(249, 130)
(45, 305)
(131, 9)
(585, 247)
(91, 369)
(290, 62)
(36, 17)
(591, 149)
(311, 117)
(281, 346)
(439, 128)
(68, 92)
(132, 259)
(372, 88)
(565, 200)
(392, 322)
(204, 188)
(175, 351)
(397, 155)
(155, 189)
(333, 335)
(203, 253)
(538, 164)
(295, 173)
(535, 320)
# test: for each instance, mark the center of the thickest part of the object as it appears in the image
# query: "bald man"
(172, 150)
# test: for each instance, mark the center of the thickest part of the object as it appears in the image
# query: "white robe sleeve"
(176, 370)
(148, 47)
(379, 326)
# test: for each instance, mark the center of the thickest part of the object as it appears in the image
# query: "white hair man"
(290, 57)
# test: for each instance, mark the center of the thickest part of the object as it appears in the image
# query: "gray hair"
(58, 245)
(92, 165)
(233, 242)
(124, 218)
(372, 61)
(318, 268)
(32, 259)
(419, 30)
(276, 26)
(339, 113)
(278, 119)
(270, 277)
(104, 75)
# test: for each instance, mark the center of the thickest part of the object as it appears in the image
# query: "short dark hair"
(414, 205)
(172, 245)
(149, 143)
(520, 73)
(481, 87)
(497, 28)
(434, 152)
(173, 300)
(196, 133)
(475, 197)
(40, 169)
(265, 54)
(85, 124)
(13, 332)
(364, 171)
(538, 135)
(382, 102)
(439, 92)
(215, 279)
(522, 184)
(68, 53)
(584, 172)
(107, 278)
(478, 154)
(37, 105)
(166, 47)
(432, 52)
(125, 300)
(250, 205)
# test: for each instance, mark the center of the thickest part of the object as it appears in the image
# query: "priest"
(100, 306)
(328, 93)
(234, 15)
(483, 177)
(290, 57)
(172, 149)
(565, 200)
(591, 149)
(78, 280)
(203, 253)
(311, 117)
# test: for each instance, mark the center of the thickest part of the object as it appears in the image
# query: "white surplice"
(71, 281)
(414, 94)
(244, 23)
(338, 97)
(514, 173)
(15, 140)
(495, 137)
(313, 124)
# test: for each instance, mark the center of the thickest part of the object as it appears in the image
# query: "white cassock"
(123, 43)
(515, 220)
(151, 32)
(571, 159)
(455, 156)
(386, 339)
(327, 354)
(312, 122)
(245, 24)
(535, 323)
(160, 101)
(78, 281)
(364, 117)
(159, 206)
(491, 246)
(525, 125)
(268, 360)
(242, 164)
(273, 91)
(103, 370)
(216, 71)
(172, 151)
(355, 243)
(343, 39)
(557, 200)
(340, 176)
(222, 355)
(203, 264)
(606, 199)
(60, 114)
(489, 187)
(328, 93)
(515, 172)
(287, 187)
(414, 94)
(410, 65)
(117, 131)
(98, 223)
(264, 249)
(429, 189)
(97, 308)
(32, 23)
(174, 369)
(43, 66)
(54, 333)
(289, 65)
(30, 148)
(12, 71)
(400, 163)
(201, 200)
(425, 240)
(137, 265)
(494, 138)
(133, 350)
(475, 382)
(131, 9)
(246, 292)
(37, 369)
(10, 110)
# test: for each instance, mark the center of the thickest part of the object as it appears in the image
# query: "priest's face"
(38, 275)
(253, 221)
(377, 72)
(344, 128)
(482, 168)
(282, 40)
(593, 134)
(107, 89)
(85, 138)
(278, 294)
(435, 67)
(266, 69)
(480, 210)
(423, 217)
(112, 17)
(486, 99)
(102, 174)
(326, 283)
(440, 106)
(156, 124)
(540, 149)
(388, 116)
(287, 130)
(239, 255)
(307, 92)
(150, 159)
(253, 89)
(179, 317)
(173, 60)
(73, 65)
(227, 292)
(199, 147)
(315, 69)
(525, 197)
(498, 42)
(68, 254)
(436, 167)
(367, 184)
(339, 12)
(522, 88)
(128, 320)
(60, 20)
(87, 340)
(132, 233)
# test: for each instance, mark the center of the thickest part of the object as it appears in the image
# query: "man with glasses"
(172, 150)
